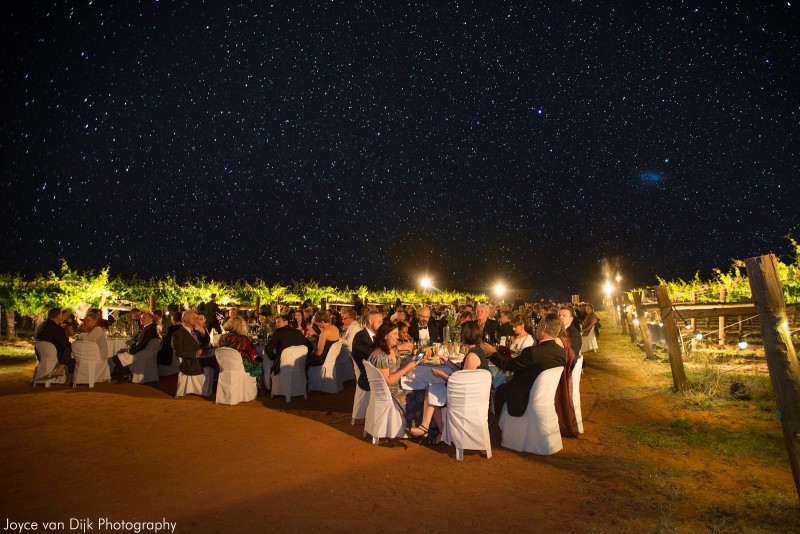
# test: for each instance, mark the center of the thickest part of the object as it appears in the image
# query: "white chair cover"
(89, 367)
(537, 430)
(576, 391)
(145, 365)
(169, 370)
(589, 343)
(361, 400)
(234, 385)
(196, 384)
(325, 377)
(266, 377)
(383, 419)
(291, 381)
(344, 365)
(48, 360)
(467, 414)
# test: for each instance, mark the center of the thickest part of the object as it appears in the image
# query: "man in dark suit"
(52, 331)
(567, 316)
(362, 346)
(526, 367)
(148, 332)
(284, 336)
(423, 328)
(488, 325)
(185, 345)
(210, 310)
(505, 329)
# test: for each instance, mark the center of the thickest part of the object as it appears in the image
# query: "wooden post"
(693, 321)
(618, 310)
(648, 345)
(784, 370)
(722, 295)
(626, 302)
(258, 304)
(668, 317)
(152, 303)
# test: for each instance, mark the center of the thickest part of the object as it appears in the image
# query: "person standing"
(210, 311)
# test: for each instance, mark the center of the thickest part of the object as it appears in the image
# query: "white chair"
(171, 369)
(576, 391)
(383, 418)
(467, 415)
(195, 384)
(89, 367)
(234, 385)
(145, 366)
(266, 377)
(325, 377)
(291, 381)
(361, 400)
(537, 430)
(344, 365)
(48, 360)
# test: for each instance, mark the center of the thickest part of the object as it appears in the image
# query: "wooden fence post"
(784, 370)
(258, 304)
(722, 296)
(152, 303)
(628, 316)
(648, 345)
(671, 332)
(693, 321)
(620, 313)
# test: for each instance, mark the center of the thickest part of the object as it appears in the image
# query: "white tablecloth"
(115, 344)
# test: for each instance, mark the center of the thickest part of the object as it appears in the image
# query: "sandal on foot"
(419, 431)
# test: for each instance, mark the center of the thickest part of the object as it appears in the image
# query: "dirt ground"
(134, 453)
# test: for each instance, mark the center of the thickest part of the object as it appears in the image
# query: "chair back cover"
(325, 377)
(383, 417)
(195, 384)
(234, 385)
(344, 367)
(467, 418)
(48, 360)
(537, 430)
(361, 399)
(576, 391)
(291, 381)
(145, 364)
(89, 366)
(171, 369)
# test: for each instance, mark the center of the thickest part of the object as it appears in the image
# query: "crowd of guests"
(521, 339)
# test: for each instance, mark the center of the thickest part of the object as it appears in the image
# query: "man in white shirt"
(350, 328)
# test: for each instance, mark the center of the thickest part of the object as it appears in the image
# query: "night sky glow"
(367, 143)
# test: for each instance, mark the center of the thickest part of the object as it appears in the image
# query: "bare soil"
(135, 453)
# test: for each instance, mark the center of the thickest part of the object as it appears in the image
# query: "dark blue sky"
(366, 144)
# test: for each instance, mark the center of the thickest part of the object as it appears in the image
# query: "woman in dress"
(523, 339)
(203, 335)
(589, 342)
(299, 322)
(328, 335)
(475, 359)
(235, 337)
(384, 357)
(91, 331)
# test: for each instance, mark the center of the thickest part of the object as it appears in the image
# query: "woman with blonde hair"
(235, 337)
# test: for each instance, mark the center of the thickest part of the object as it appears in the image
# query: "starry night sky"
(367, 143)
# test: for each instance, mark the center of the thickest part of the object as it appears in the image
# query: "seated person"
(329, 335)
(523, 339)
(235, 337)
(123, 359)
(203, 335)
(475, 359)
(52, 331)
(505, 329)
(90, 330)
(385, 358)
(284, 336)
(165, 354)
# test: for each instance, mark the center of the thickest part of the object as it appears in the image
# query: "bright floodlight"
(742, 343)
(500, 289)
(426, 283)
(698, 336)
(619, 279)
(608, 287)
